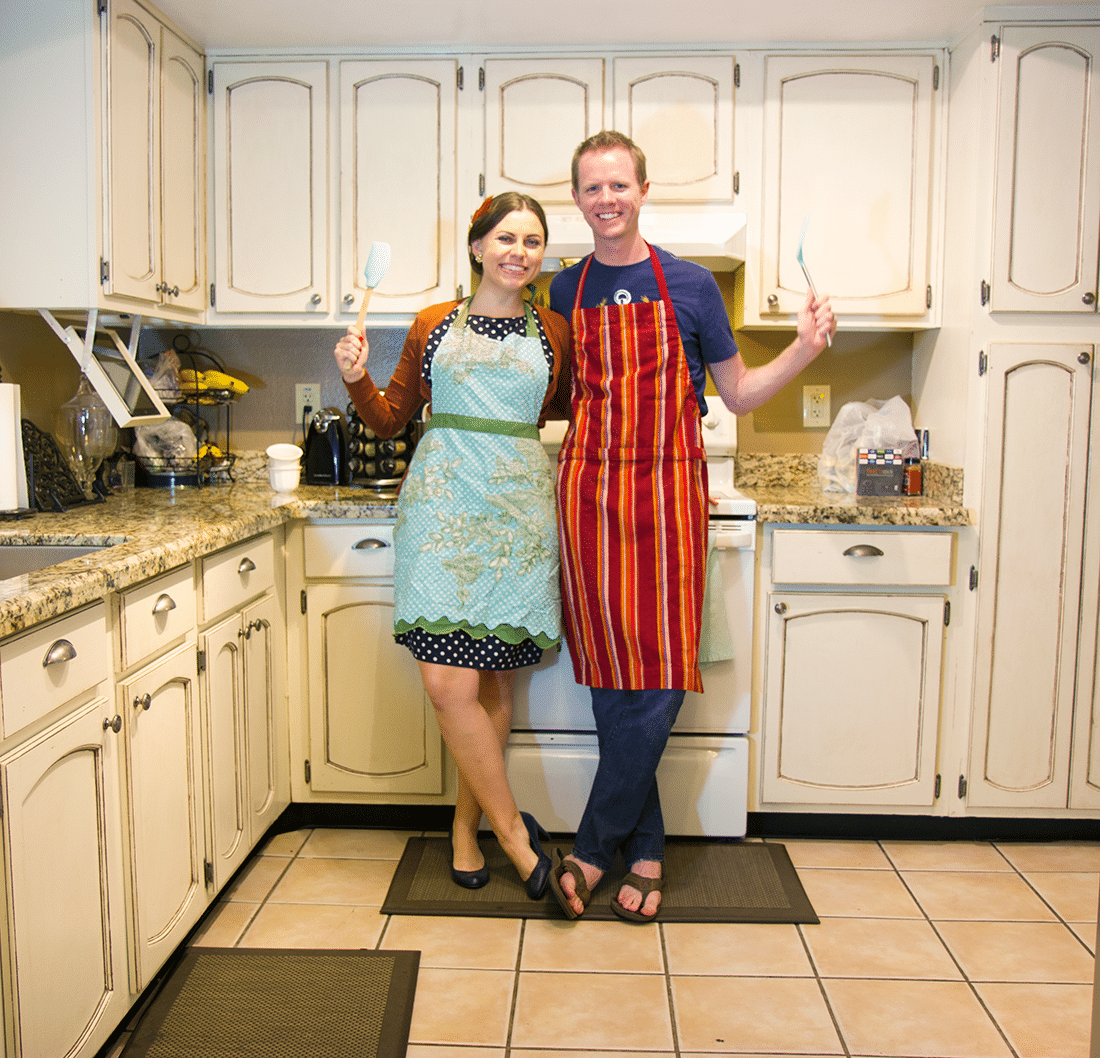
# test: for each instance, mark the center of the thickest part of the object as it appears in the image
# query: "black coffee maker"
(326, 450)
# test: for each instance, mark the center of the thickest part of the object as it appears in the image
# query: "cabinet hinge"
(994, 48)
(962, 787)
(211, 295)
(303, 600)
(973, 578)
(480, 185)
(202, 660)
(946, 612)
(461, 78)
(737, 183)
(209, 82)
(481, 78)
(736, 75)
(104, 270)
(307, 771)
(983, 363)
(459, 292)
(983, 291)
(101, 7)
(935, 78)
(208, 872)
(928, 297)
(936, 790)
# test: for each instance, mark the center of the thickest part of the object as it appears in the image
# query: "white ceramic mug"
(284, 466)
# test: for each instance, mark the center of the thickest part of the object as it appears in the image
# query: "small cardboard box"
(879, 472)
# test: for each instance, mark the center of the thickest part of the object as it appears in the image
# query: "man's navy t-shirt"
(700, 312)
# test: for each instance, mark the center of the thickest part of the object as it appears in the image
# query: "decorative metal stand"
(51, 484)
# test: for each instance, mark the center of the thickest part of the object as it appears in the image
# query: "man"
(633, 502)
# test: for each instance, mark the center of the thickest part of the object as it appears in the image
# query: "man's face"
(608, 193)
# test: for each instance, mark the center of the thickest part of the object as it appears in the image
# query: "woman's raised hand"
(351, 355)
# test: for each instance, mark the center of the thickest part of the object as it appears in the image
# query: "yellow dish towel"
(715, 643)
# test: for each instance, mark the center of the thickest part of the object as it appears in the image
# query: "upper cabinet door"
(537, 111)
(397, 181)
(182, 173)
(133, 192)
(848, 145)
(1047, 204)
(270, 186)
(680, 112)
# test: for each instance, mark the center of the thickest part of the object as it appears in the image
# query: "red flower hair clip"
(482, 210)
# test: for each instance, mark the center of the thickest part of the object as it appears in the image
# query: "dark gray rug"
(276, 1003)
(708, 881)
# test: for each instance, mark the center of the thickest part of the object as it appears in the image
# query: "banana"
(220, 380)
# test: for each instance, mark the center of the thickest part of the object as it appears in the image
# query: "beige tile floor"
(949, 950)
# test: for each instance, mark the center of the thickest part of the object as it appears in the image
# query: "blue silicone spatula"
(805, 270)
(378, 262)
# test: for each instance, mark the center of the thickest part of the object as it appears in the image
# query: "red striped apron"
(632, 499)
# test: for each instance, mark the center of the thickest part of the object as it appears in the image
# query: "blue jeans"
(624, 808)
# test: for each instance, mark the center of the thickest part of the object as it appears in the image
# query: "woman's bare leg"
(474, 739)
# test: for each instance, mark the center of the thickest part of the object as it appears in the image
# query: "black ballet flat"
(539, 878)
(467, 879)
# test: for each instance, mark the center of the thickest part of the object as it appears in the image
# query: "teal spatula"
(805, 271)
(378, 261)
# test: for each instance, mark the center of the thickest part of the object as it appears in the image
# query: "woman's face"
(511, 253)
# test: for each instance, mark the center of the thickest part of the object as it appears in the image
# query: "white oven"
(552, 752)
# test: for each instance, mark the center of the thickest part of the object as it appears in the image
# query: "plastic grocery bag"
(863, 424)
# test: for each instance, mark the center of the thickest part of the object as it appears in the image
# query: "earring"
(477, 257)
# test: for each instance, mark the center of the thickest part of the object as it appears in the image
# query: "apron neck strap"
(530, 328)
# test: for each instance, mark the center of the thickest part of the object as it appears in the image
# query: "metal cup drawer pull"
(370, 543)
(61, 651)
(113, 725)
(143, 701)
(163, 604)
(864, 551)
(246, 566)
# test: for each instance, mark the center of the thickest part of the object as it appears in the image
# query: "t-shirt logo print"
(622, 297)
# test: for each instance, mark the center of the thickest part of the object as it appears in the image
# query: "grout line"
(515, 989)
(668, 987)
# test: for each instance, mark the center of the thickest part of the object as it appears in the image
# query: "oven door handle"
(735, 539)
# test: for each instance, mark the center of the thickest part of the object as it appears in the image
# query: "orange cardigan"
(387, 413)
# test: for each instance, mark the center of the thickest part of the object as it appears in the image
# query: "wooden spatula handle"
(363, 309)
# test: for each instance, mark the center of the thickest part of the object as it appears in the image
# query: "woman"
(476, 591)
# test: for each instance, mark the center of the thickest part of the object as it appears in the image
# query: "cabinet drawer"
(51, 665)
(156, 613)
(807, 556)
(349, 550)
(231, 577)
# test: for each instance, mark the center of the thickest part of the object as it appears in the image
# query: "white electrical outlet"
(306, 395)
(815, 407)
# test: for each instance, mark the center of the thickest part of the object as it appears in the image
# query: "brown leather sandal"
(645, 886)
(581, 886)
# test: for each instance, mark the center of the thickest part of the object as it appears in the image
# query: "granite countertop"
(149, 531)
(786, 489)
(146, 532)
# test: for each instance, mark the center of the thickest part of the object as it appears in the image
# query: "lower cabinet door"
(224, 746)
(160, 706)
(851, 699)
(65, 957)
(372, 728)
(267, 790)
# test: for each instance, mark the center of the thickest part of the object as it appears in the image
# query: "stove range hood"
(714, 237)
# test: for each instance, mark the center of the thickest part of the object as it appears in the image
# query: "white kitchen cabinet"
(679, 110)
(852, 677)
(1029, 578)
(154, 239)
(398, 138)
(849, 145)
(270, 211)
(536, 113)
(1047, 199)
(64, 959)
(371, 727)
(160, 709)
(105, 112)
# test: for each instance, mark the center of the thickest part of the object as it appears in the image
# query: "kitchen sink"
(16, 559)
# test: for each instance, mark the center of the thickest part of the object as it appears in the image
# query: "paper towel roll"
(13, 475)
